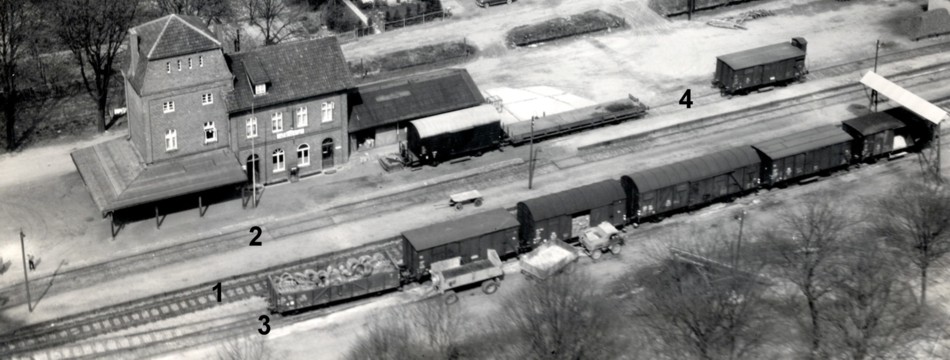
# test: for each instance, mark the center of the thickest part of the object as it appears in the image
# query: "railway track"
(145, 311)
(34, 338)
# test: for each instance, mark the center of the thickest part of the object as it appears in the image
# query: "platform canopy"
(905, 98)
(117, 178)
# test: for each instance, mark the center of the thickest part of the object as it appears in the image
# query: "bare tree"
(699, 312)
(94, 31)
(563, 317)
(244, 348)
(807, 244)
(915, 220)
(274, 18)
(430, 329)
(871, 310)
(17, 19)
(211, 11)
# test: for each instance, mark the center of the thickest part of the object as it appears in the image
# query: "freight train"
(645, 195)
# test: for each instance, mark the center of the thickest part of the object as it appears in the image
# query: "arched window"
(278, 160)
(303, 155)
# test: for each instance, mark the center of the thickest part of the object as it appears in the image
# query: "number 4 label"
(686, 99)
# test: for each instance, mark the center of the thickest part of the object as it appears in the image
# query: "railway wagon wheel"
(489, 286)
(615, 249)
(451, 298)
(478, 202)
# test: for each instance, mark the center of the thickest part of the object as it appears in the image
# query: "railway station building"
(202, 120)
(382, 110)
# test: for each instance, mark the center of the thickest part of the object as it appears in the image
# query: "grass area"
(437, 54)
(583, 23)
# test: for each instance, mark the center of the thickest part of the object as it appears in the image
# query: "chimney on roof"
(237, 41)
(133, 50)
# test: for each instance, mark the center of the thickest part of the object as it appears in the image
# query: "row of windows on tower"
(277, 120)
(206, 99)
(168, 64)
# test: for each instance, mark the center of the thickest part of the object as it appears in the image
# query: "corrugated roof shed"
(802, 142)
(456, 121)
(296, 70)
(575, 200)
(413, 97)
(695, 169)
(461, 229)
(117, 178)
(874, 123)
(761, 55)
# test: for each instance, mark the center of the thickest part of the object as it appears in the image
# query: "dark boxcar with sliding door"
(553, 215)
(747, 70)
(874, 135)
(804, 154)
(691, 183)
(443, 137)
(469, 237)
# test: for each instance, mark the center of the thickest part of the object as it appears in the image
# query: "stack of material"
(334, 274)
(932, 23)
(547, 259)
(735, 22)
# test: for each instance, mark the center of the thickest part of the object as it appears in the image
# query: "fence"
(418, 19)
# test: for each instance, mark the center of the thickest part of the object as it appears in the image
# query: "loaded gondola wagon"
(752, 69)
(446, 136)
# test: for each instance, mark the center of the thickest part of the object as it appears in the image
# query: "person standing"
(32, 264)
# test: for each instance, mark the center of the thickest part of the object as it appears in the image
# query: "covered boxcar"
(690, 183)
(747, 70)
(804, 154)
(443, 137)
(875, 135)
(469, 238)
(564, 215)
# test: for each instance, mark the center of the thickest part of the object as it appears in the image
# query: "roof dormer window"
(260, 89)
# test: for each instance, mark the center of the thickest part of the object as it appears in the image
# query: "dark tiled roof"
(174, 35)
(413, 97)
(296, 70)
(138, 78)
(117, 178)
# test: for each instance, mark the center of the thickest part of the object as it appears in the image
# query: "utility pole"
(531, 155)
(741, 217)
(877, 50)
(26, 278)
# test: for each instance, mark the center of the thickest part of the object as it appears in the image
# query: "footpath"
(355, 232)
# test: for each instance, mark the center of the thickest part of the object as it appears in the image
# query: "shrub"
(590, 21)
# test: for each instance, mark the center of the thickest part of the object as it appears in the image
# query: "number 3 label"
(266, 325)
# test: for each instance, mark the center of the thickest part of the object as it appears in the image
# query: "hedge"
(587, 22)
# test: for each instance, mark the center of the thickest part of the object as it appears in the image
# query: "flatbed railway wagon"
(565, 215)
(661, 191)
(468, 238)
(576, 120)
(804, 154)
(444, 137)
(752, 69)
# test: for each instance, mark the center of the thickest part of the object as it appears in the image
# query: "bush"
(423, 55)
(591, 21)
(338, 18)
(676, 7)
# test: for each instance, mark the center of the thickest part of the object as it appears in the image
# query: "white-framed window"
(168, 67)
(303, 155)
(327, 109)
(301, 117)
(211, 134)
(168, 106)
(201, 61)
(171, 140)
(189, 63)
(207, 99)
(278, 159)
(260, 89)
(251, 127)
(277, 122)
(179, 65)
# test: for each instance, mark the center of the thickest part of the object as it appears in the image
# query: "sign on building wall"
(289, 133)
